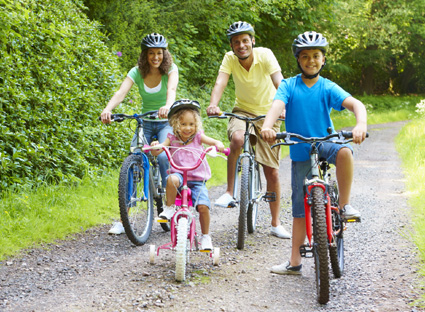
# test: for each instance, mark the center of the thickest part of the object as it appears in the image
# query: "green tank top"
(151, 101)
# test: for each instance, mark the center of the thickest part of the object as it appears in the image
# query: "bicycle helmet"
(154, 40)
(239, 28)
(183, 103)
(309, 40)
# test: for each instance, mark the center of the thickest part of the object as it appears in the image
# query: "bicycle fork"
(307, 250)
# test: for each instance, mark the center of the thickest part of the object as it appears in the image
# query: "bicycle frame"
(184, 210)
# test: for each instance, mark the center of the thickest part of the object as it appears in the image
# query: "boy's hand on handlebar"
(268, 135)
(359, 133)
(213, 110)
(105, 116)
(163, 112)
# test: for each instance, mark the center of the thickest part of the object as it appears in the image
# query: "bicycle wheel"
(243, 202)
(181, 249)
(336, 250)
(321, 260)
(253, 205)
(136, 207)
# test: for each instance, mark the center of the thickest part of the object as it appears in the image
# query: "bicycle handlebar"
(121, 117)
(343, 137)
(147, 148)
(244, 118)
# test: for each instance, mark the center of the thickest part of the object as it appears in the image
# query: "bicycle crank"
(269, 197)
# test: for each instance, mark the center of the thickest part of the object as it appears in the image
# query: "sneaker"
(206, 243)
(286, 269)
(117, 229)
(280, 232)
(225, 201)
(348, 212)
(168, 212)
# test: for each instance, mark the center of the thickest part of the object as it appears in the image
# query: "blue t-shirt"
(308, 109)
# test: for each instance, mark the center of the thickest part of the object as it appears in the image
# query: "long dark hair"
(165, 66)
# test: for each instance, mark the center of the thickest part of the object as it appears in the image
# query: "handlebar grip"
(281, 135)
(226, 151)
(349, 134)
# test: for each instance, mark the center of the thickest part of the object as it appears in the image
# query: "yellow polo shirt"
(254, 89)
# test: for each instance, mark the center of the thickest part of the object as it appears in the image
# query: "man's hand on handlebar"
(213, 110)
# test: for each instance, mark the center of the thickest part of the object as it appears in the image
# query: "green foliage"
(57, 75)
(410, 145)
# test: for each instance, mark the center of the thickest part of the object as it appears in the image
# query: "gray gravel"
(93, 271)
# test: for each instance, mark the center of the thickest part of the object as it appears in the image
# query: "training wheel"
(216, 256)
(152, 254)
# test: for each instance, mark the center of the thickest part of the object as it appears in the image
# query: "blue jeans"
(299, 170)
(199, 191)
(160, 129)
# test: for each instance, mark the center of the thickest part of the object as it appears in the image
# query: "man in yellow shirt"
(257, 75)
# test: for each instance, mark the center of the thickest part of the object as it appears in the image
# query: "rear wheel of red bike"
(321, 260)
(135, 200)
(181, 249)
(336, 250)
(243, 202)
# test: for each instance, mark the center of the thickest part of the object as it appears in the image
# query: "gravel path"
(93, 271)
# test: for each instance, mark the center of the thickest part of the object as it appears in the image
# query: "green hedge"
(56, 76)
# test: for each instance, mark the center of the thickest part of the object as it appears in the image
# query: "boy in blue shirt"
(307, 100)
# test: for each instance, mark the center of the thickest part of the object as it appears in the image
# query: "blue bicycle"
(139, 186)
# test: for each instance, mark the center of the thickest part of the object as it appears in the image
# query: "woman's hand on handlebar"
(105, 116)
(268, 135)
(163, 112)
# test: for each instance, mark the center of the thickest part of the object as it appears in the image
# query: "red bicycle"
(324, 223)
(183, 223)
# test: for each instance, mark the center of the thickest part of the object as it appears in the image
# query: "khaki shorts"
(263, 152)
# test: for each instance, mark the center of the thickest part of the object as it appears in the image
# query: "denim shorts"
(199, 191)
(299, 170)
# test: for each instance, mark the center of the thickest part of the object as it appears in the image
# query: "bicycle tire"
(181, 250)
(136, 207)
(243, 203)
(321, 259)
(253, 205)
(336, 252)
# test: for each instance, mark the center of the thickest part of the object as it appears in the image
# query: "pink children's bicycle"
(183, 223)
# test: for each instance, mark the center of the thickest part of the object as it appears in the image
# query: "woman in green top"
(157, 77)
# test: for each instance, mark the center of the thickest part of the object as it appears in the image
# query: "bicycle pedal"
(160, 220)
(306, 251)
(232, 204)
(353, 220)
(269, 197)
(205, 250)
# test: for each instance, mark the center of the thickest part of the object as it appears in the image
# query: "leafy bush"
(57, 75)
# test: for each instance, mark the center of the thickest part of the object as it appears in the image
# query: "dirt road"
(96, 272)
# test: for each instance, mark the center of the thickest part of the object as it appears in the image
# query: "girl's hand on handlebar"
(268, 135)
(163, 112)
(220, 146)
(105, 116)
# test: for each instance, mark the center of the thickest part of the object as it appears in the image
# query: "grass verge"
(411, 146)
